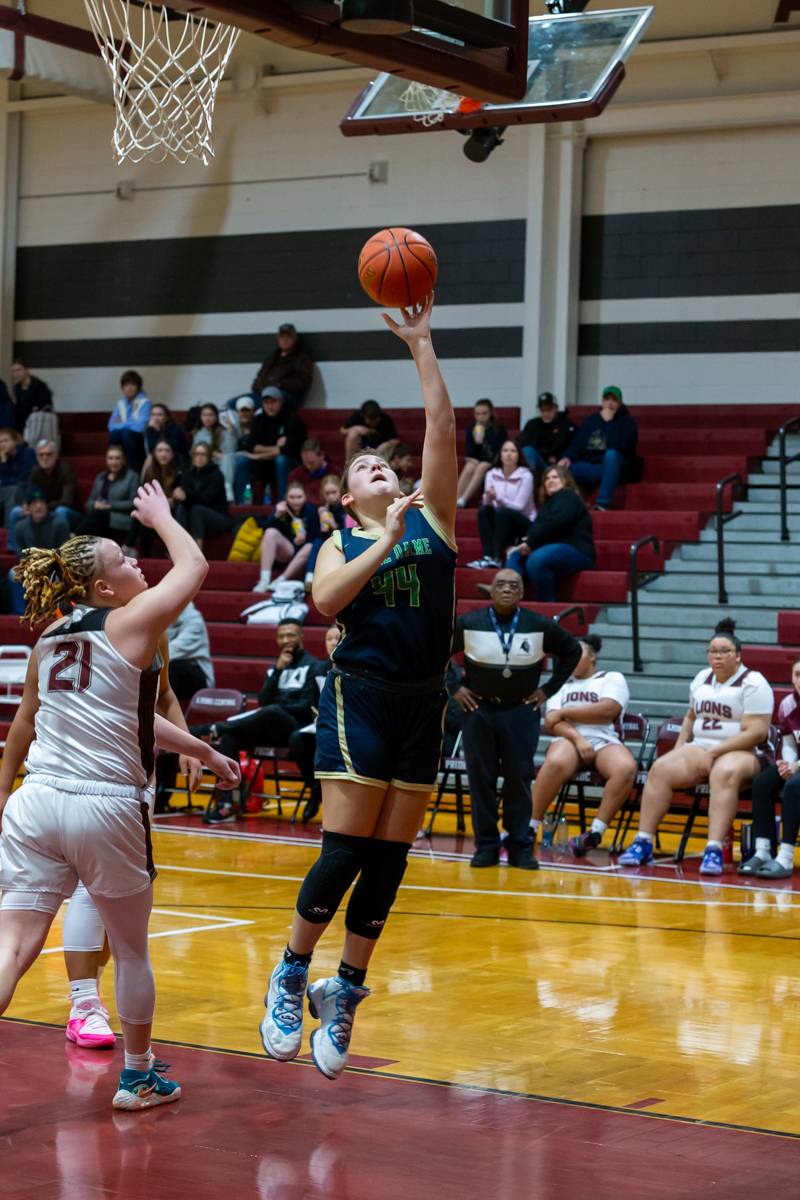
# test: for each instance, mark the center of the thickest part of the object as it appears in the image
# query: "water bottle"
(548, 825)
(247, 495)
(561, 834)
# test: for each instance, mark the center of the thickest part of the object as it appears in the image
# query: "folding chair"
(207, 707)
(631, 728)
(456, 766)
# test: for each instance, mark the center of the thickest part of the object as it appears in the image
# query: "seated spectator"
(729, 714)
(331, 515)
(55, 479)
(401, 460)
(110, 503)
(190, 665)
(303, 742)
(289, 369)
(40, 527)
(559, 541)
(220, 439)
(17, 462)
(581, 719)
(30, 393)
(507, 509)
(10, 413)
(270, 450)
(603, 451)
(780, 781)
(314, 467)
(368, 428)
(545, 438)
(287, 700)
(237, 417)
(162, 427)
(202, 506)
(128, 421)
(484, 439)
(163, 469)
(289, 536)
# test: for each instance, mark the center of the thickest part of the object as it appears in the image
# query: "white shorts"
(597, 743)
(55, 833)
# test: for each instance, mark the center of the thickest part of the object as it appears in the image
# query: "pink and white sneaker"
(88, 1026)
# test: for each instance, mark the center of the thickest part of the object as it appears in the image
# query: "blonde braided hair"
(56, 579)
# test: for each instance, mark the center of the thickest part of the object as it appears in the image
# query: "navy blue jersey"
(400, 625)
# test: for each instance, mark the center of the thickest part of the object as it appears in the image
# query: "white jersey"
(719, 707)
(96, 711)
(603, 685)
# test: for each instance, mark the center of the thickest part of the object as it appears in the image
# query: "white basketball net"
(428, 104)
(165, 77)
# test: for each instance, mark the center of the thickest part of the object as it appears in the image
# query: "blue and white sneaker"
(334, 1003)
(282, 1026)
(638, 854)
(712, 861)
(137, 1090)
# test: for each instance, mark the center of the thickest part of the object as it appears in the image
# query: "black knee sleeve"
(325, 884)
(373, 896)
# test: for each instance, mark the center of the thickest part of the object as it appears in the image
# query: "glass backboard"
(575, 65)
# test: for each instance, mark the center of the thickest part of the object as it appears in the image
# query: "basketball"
(397, 268)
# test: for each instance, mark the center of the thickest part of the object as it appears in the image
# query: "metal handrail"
(783, 463)
(634, 582)
(567, 612)
(722, 521)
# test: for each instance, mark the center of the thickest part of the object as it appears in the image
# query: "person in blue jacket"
(603, 451)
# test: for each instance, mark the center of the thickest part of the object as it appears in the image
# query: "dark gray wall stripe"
(690, 337)
(481, 262)
(374, 346)
(704, 252)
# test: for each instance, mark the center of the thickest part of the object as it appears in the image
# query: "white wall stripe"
(691, 308)
(768, 378)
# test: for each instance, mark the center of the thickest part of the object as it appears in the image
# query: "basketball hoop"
(165, 77)
(429, 105)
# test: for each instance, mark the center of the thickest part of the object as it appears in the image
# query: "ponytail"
(54, 580)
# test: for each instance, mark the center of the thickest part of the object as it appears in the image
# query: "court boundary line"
(221, 923)
(400, 1077)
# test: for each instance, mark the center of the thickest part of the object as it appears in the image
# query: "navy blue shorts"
(377, 736)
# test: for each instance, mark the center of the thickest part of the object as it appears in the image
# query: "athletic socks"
(535, 825)
(289, 956)
(141, 1063)
(598, 826)
(81, 990)
(354, 975)
(710, 843)
(763, 849)
(785, 855)
(646, 837)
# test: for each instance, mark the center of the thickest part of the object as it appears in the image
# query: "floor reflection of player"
(390, 582)
(87, 714)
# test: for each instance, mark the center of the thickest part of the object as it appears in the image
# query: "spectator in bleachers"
(287, 700)
(779, 781)
(161, 467)
(401, 460)
(9, 410)
(303, 742)
(289, 537)
(368, 428)
(128, 421)
(603, 451)
(271, 449)
(190, 665)
(314, 467)
(30, 393)
(162, 427)
(559, 541)
(289, 369)
(17, 462)
(729, 714)
(40, 527)
(507, 509)
(237, 417)
(581, 717)
(545, 438)
(202, 506)
(110, 503)
(55, 479)
(484, 439)
(221, 440)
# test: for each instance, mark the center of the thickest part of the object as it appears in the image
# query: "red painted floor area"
(249, 1128)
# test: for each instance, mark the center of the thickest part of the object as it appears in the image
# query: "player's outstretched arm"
(21, 733)
(135, 629)
(439, 457)
(178, 741)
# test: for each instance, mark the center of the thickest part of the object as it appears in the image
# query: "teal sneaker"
(333, 1002)
(281, 1027)
(137, 1090)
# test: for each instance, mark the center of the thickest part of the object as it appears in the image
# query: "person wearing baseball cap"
(288, 369)
(603, 451)
(546, 437)
(39, 527)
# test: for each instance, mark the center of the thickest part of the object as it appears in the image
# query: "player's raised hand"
(396, 514)
(416, 324)
(151, 506)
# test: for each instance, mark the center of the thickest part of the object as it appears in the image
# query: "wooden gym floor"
(574, 1032)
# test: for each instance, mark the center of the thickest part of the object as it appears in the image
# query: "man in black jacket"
(545, 438)
(603, 450)
(287, 697)
(504, 649)
(271, 449)
(289, 368)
